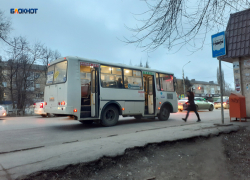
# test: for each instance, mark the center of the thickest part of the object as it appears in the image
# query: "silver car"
(199, 102)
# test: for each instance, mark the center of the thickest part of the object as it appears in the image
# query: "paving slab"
(19, 164)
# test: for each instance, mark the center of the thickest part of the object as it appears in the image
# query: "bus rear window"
(57, 73)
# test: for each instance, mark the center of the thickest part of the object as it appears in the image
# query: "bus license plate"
(51, 99)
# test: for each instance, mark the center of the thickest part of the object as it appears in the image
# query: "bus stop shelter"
(238, 52)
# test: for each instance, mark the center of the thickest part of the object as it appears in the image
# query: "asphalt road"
(20, 133)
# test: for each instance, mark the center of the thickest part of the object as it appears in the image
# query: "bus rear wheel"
(164, 113)
(110, 116)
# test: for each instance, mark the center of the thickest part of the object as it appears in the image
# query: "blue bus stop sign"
(218, 44)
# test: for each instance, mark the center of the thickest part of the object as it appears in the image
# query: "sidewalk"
(18, 164)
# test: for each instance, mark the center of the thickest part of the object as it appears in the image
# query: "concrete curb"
(60, 156)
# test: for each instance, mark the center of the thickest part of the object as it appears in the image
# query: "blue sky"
(93, 29)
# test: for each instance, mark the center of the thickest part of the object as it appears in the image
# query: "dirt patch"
(223, 157)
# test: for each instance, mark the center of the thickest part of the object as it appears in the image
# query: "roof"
(75, 58)
(193, 81)
(237, 36)
(33, 66)
(203, 82)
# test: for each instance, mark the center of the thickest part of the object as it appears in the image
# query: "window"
(132, 79)
(37, 75)
(57, 73)
(166, 82)
(111, 77)
(30, 85)
(37, 95)
(5, 72)
(30, 76)
(4, 84)
(37, 85)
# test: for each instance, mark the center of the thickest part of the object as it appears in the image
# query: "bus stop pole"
(221, 94)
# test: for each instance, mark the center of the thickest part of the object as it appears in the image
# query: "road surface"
(21, 133)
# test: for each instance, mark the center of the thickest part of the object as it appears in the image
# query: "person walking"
(191, 106)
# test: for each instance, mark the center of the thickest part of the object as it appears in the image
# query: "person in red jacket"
(191, 106)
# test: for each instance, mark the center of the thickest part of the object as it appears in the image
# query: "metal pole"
(183, 81)
(221, 94)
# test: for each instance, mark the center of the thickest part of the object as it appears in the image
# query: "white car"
(39, 109)
(3, 112)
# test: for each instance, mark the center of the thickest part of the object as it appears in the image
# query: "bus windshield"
(57, 73)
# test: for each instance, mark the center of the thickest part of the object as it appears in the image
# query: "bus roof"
(75, 58)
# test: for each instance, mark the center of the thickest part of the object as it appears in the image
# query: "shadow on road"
(125, 122)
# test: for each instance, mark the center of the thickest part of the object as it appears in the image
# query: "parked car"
(3, 112)
(39, 109)
(217, 104)
(199, 102)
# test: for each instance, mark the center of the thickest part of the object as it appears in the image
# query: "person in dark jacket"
(191, 106)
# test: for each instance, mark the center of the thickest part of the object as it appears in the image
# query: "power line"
(226, 65)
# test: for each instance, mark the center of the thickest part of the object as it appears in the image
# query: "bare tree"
(182, 22)
(223, 79)
(20, 76)
(228, 89)
(5, 27)
(48, 56)
(56, 54)
(147, 65)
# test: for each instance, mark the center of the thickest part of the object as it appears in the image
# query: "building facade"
(205, 89)
(238, 53)
(33, 85)
(200, 88)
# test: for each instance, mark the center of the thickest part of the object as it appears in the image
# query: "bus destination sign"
(146, 72)
(88, 64)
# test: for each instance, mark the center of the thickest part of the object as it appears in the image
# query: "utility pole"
(221, 94)
(183, 78)
(183, 81)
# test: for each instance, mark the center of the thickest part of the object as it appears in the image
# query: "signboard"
(50, 77)
(218, 44)
(237, 83)
(89, 64)
(182, 96)
(146, 72)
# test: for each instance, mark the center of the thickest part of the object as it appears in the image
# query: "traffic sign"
(218, 44)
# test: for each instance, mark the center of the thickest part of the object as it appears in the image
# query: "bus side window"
(166, 82)
(111, 77)
(132, 79)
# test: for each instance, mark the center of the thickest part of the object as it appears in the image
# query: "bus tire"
(110, 116)
(164, 113)
(43, 115)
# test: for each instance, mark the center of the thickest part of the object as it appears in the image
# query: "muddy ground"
(224, 157)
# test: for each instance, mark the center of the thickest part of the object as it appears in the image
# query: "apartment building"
(35, 83)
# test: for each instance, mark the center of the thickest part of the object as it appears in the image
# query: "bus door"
(94, 92)
(149, 93)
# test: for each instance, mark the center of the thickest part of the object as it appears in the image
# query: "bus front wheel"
(110, 116)
(164, 113)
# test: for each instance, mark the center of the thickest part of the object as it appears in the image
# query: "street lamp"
(183, 77)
